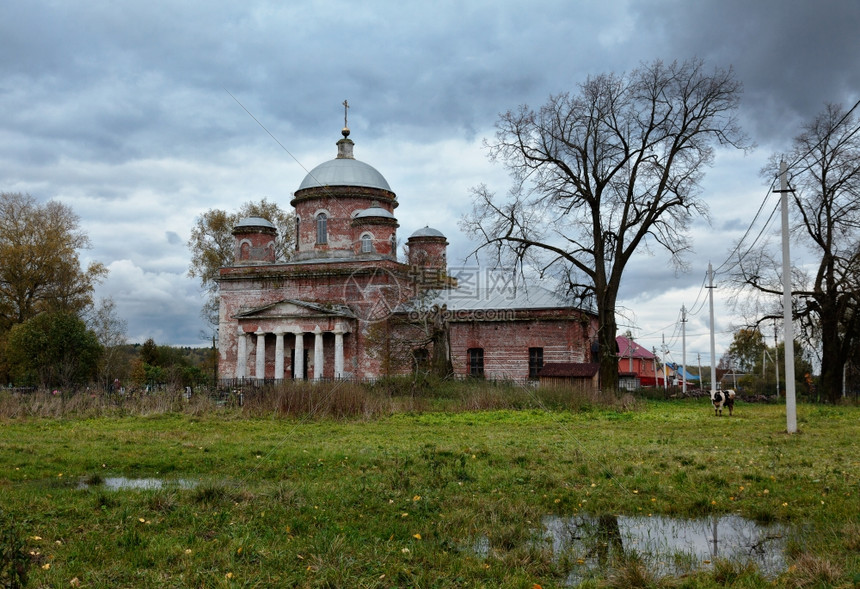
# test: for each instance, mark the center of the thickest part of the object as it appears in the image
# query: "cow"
(722, 399)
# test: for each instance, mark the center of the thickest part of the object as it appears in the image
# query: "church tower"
(428, 255)
(345, 209)
(254, 241)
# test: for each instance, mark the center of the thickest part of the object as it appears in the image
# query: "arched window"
(322, 229)
(366, 244)
(298, 225)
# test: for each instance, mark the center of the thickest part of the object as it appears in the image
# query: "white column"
(299, 361)
(241, 354)
(318, 353)
(261, 355)
(338, 351)
(279, 355)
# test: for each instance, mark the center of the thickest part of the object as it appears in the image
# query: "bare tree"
(603, 173)
(111, 331)
(825, 175)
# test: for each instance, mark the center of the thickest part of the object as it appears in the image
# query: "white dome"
(374, 212)
(255, 222)
(345, 172)
(427, 231)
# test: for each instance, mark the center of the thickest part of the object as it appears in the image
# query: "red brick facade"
(345, 307)
(506, 341)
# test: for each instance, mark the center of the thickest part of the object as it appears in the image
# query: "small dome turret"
(427, 231)
(374, 211)
(254, 222)
(428, 250)
(254, 241)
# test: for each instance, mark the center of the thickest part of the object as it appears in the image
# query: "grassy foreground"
(401, 500)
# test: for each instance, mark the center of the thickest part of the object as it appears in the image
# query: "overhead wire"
(809, 151)
(730, 263)
(677, 326)
(719, 268)
(691, 310)
(722, 268)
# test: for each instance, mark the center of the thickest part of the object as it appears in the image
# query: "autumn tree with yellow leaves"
(40, 268)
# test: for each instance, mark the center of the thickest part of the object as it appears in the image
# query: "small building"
(638, 361)
(680, 374)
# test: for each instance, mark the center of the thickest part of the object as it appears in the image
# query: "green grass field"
(417, 499)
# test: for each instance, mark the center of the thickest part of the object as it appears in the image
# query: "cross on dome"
(345, 131)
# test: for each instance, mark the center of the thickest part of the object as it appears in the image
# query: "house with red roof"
(637, 366)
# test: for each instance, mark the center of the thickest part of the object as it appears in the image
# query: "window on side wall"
(366, 244)
(535, 362)
(476, 362)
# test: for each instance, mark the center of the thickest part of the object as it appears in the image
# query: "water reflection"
(123, 483)
(665, 545)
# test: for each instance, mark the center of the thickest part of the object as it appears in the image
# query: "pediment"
(294, 308)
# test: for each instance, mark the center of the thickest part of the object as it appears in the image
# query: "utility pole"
(630, 354)
(654, 353)
(788, 327)
(734, 372)
(665, 368)
(713, 346)
(214, 365)
(701, 378)
(776, 357)
(684, 351)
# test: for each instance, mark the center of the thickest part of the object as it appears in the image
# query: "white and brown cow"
(722, 399)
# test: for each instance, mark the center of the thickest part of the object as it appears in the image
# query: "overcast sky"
(121, 110)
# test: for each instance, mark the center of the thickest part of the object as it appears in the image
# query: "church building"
(345, 307)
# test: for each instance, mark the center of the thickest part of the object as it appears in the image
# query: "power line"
(747, 232)
(820, 141)
(722, 267)
(730, 263)
(692, 311)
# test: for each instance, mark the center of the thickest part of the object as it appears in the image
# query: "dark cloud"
(792, 57)
(122, 110)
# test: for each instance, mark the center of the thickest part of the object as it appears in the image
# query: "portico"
(291, 335)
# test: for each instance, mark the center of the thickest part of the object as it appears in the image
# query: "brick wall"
(506, 342)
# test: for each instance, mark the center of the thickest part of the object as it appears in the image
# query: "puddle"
(482, 546)
(665, 545)
(123, 483)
